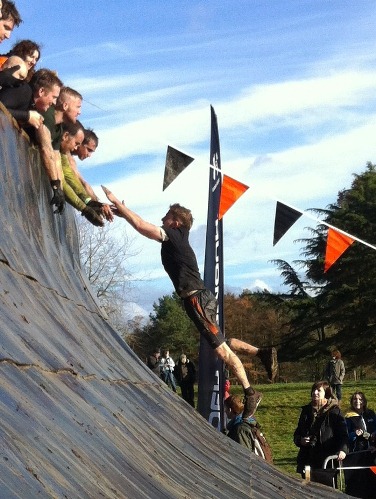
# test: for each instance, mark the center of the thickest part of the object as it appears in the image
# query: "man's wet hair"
(9, 11)
(90, 135)
(183, 215)
(72, 128)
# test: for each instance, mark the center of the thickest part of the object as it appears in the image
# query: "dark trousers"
(337, 390)
(188, 393)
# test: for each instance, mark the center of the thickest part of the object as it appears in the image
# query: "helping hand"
(111, 197)
(107, 213)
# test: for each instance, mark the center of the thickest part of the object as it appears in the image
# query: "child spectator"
(246, 432)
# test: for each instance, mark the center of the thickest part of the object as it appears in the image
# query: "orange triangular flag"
(231, 191)
(373, 469)
(336, 244)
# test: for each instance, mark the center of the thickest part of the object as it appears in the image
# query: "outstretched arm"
(144, 228)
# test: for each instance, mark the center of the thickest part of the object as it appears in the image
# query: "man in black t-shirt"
(200, 304)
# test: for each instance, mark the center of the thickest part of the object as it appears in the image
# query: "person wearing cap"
(185, 373)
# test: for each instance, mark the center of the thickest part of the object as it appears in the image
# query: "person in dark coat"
(361, 425)
(154, 362)
(321, 430)
(185, 374)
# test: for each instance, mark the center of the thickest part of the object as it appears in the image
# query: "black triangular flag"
(176, 162)
(285, 217)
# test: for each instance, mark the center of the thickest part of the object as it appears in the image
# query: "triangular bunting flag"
(231, 190)
(285, 217)
(176, 162)
(336, 244)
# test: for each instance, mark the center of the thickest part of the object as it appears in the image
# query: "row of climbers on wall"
(48, 112)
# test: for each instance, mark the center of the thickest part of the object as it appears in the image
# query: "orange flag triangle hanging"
(231, 191)
(336, 244)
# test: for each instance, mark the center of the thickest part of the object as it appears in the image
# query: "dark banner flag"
(176, 162)
(211, 368)
(285, 217)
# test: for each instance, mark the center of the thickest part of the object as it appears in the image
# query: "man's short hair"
(65, 93)
(183, 215)
(9, 11)
(44, 78)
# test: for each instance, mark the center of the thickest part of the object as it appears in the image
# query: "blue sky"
(293, 86)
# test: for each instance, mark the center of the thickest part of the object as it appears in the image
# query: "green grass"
(279, 412)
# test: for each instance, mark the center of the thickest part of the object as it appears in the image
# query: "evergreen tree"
(337, 307)
(171, 328)
(348, 288)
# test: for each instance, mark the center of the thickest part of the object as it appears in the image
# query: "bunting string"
(177, 161)
(333, 227)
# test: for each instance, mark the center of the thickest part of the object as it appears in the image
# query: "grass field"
(279, 412)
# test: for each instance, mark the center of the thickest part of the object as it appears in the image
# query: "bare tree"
(105, 254)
